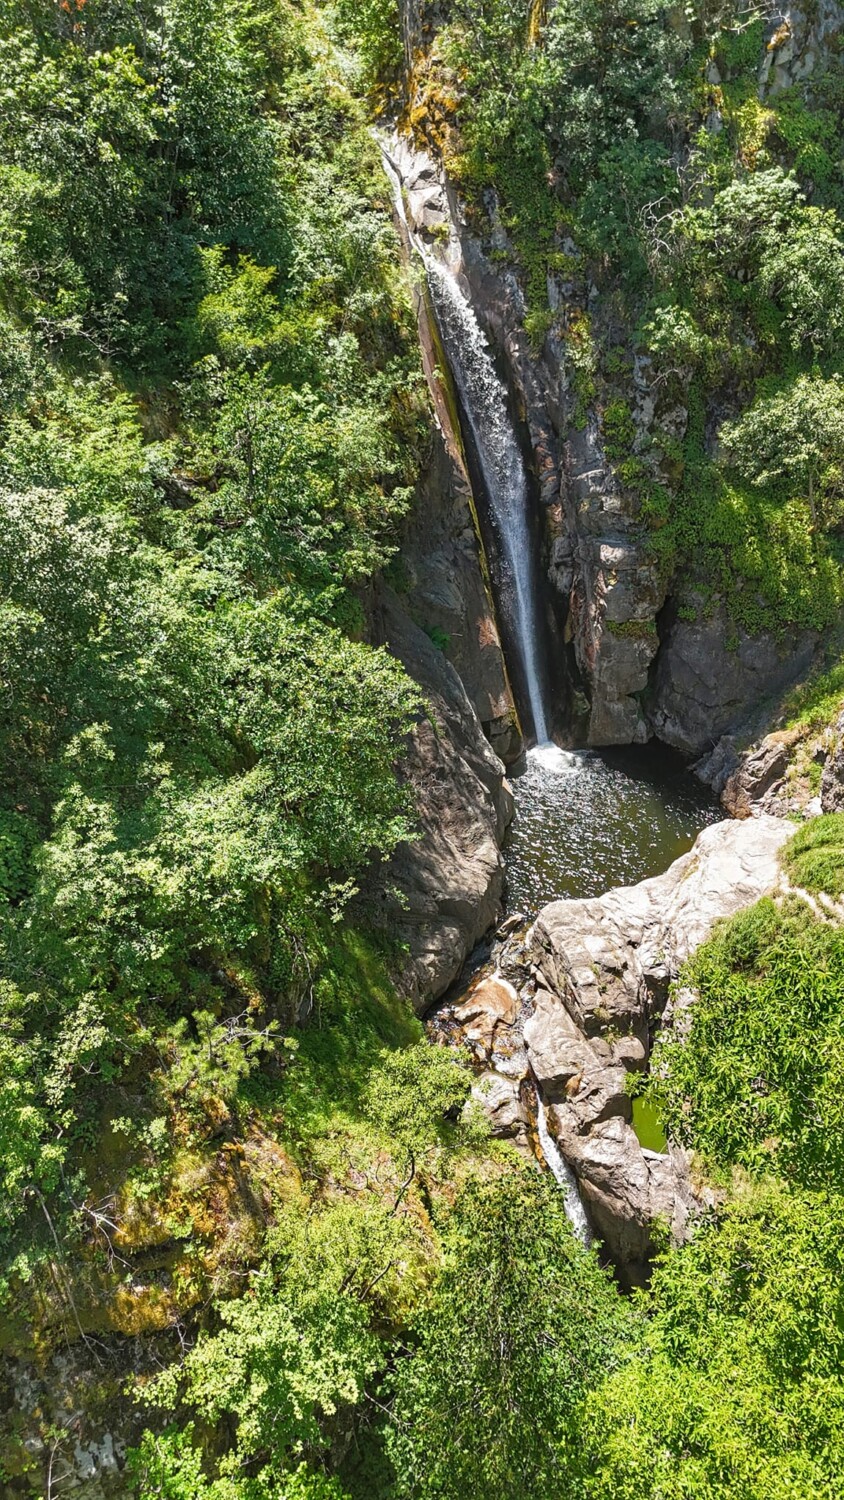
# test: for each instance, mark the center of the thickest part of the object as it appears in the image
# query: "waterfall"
(484, 405)
(563, 1173)
(394, 179)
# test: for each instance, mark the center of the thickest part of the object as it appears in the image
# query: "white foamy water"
(549, 757)
(563, 1174)
(484, 403)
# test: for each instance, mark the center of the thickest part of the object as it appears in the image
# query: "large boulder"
(759, 777)
(438, 895)
(604, 967)
(606, 956)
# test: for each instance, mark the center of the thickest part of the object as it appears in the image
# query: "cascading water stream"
(563, 1174)
(484, 405)
(394, 179)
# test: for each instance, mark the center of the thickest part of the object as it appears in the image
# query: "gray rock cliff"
(437, 896)
(708, 675)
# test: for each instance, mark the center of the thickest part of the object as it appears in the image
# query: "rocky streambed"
(567, 1005)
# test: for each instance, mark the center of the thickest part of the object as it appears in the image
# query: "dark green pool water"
(648, 1126)
(587, 821)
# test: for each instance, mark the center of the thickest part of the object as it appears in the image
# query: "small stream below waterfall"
(562, 1174)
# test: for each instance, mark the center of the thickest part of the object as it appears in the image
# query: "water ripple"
(587, 821)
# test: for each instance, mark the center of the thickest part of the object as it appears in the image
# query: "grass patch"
(816, 702)
(814, 858)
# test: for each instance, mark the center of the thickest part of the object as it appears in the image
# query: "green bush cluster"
(209, 433)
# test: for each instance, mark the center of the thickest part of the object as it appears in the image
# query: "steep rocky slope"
(438, 895)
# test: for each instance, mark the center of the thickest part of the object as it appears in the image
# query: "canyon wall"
(652, 648)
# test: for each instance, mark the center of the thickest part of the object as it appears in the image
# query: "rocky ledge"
(793, 770)
(571, 1011)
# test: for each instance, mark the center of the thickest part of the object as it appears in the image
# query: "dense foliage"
(210, 426)
(757, 1082)
(203, 448)
(520, 1324)
(738, 1387)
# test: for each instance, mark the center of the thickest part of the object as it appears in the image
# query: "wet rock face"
(486, 1021)
(605, 589)
(491, 1010)
(614, 593)
(444, 587)
(442, 893)
(755, 772)
(444, 592)
(604, 967)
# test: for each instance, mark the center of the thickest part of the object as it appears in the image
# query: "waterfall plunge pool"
(588, 820)
(585, 821)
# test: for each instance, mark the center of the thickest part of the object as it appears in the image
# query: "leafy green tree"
(522, 1321)
(757, 1083)
(276, 1369)
(568, 103)
(737, 1389)
(804, 272)
(614, 69)
(120, 158)
(412, 1095)
(297, 1349)
(754, 210)
(372, 29)
(796, 438)
(168, 1466)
